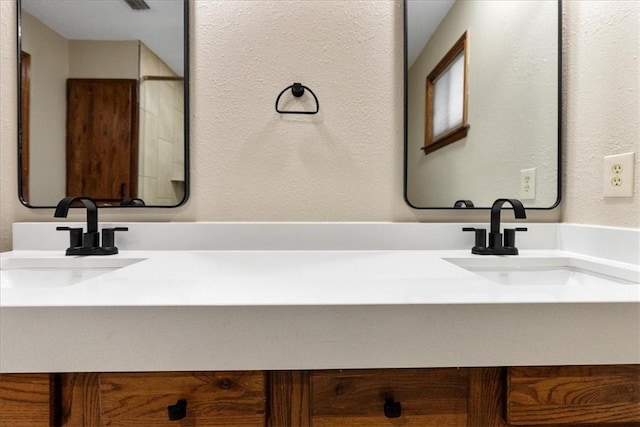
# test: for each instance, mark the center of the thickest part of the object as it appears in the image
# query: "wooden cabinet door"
(102, 139)
(470, 397)
(427, 397)
(25, 400)
(143, 399)
(574, 395)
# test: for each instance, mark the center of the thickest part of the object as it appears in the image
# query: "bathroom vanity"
(321, 324)
(559, 395)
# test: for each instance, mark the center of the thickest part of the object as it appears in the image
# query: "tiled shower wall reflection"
(161, 154)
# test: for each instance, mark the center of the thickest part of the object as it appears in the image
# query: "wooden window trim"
(432, 143)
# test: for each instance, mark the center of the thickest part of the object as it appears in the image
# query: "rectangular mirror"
(512, 145)
(103, 102)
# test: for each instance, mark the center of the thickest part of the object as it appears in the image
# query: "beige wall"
(47, 132)
(345, 164)
(152, 65)
(91, 59)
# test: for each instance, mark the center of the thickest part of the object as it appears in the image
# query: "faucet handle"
(108, 239)
(481, 236)
(75, 236)
(510, 236)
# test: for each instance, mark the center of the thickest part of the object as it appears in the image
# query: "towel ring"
(297, 90)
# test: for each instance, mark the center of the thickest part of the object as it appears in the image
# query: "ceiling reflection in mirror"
(103, 102)
(512, 146)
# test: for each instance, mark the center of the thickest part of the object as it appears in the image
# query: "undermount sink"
(56, 272)
(548, 271)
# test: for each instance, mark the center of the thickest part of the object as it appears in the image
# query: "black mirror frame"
(186, 115)
(406, 128)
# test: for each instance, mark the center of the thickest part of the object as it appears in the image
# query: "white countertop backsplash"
(208, 236)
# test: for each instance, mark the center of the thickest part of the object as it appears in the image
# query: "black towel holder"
(297, 90)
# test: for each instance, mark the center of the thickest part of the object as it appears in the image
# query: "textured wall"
(602, 83)
(250, 164)
(254, 164)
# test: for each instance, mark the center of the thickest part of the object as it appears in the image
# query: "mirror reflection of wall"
(47, 135)
(140, 155)
(161, 166)
(512, 111)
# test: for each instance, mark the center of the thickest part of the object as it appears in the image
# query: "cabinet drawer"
(25, 400)
(212, 398)
(573, 395)
(427, 397)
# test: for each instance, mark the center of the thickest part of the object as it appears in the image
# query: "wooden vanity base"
(473, 397)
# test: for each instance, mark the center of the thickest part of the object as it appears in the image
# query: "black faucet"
(496, 244)
(88, 243)
(463, 204)
(132, 202)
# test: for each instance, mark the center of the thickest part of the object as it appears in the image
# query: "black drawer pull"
(177, 411)
(392, 409)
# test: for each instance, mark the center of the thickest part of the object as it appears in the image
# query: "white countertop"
(314, 309)
(301, 278)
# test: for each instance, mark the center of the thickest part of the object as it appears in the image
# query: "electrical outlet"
(528, 184)
(618, 175)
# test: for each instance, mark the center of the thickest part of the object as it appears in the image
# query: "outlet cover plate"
(617, 178)
(528, 184)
